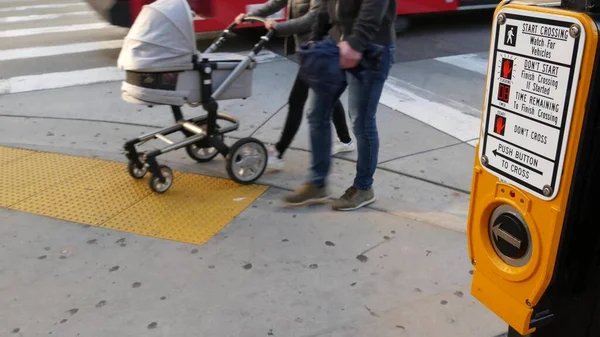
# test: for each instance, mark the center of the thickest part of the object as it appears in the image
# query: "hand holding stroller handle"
(254, 19)
(225, 34)
(262, 20)
(246, 19)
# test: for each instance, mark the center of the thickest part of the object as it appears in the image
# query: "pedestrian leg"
(344, 143)
(296, 102)
(363, 100)
(319, 119)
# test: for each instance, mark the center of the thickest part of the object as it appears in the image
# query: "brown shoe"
(354, 199)
(307, 194)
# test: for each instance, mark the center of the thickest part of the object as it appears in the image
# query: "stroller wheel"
(161, 187)
(201, 154)
(136, 172)
(247, 160)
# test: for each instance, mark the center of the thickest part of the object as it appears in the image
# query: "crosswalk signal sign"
(534, 160)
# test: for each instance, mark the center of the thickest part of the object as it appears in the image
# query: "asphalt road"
(30, 45)
(428, 36)
(443, 55)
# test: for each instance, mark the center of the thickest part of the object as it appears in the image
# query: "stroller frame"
(211, 137)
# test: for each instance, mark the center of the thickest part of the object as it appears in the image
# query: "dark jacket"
(320, 66)
(301, 15)
(359, 22)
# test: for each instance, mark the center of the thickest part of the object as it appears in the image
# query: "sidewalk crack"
(267, 120)
(418, 153)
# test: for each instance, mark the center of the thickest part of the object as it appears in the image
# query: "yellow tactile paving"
(8, 154)
(193, 210)
(92, 197)
(35, 173)
(101, 193)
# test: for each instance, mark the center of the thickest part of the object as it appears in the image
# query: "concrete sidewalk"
(268, 273)
(413, 156)
(398, 268)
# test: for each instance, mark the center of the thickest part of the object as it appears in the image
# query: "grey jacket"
(360, 22)
(299, 21)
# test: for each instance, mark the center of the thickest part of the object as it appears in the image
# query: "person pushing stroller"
(301, 16)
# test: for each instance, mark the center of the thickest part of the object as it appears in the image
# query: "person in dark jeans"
(301, 16)
(356, 25)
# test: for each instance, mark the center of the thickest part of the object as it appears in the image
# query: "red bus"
(216, 15)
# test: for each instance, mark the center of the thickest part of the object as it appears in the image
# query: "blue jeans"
(363, 99)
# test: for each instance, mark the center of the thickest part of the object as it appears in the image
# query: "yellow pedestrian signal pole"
(533, 227)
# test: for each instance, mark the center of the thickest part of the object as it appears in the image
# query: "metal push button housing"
(510, 236)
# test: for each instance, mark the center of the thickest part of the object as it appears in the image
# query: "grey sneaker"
(305, 195)
(353, 199)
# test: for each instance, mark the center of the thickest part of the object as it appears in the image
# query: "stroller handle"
(269, 34)
(254, 18)
(225, 34)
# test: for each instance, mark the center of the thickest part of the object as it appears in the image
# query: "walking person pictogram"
(510, 35)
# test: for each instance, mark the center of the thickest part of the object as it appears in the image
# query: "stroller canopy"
(162, 38)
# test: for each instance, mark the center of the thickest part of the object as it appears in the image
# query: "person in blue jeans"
(296, 30)
(354, 25)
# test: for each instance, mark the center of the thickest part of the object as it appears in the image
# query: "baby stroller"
(163, 67)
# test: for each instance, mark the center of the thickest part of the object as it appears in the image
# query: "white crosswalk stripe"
(34, 52)
(442, 117)
(71, 35)
(472, 62)
(48, 6)
(25, 18)
(50, 78)
(56, 30)
(52, 29)
(60, 80)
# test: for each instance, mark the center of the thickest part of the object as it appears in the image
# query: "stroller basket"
(163, 67)
(184, 86)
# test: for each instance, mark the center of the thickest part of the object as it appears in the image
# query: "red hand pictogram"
(499, 125)
(506, 69)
